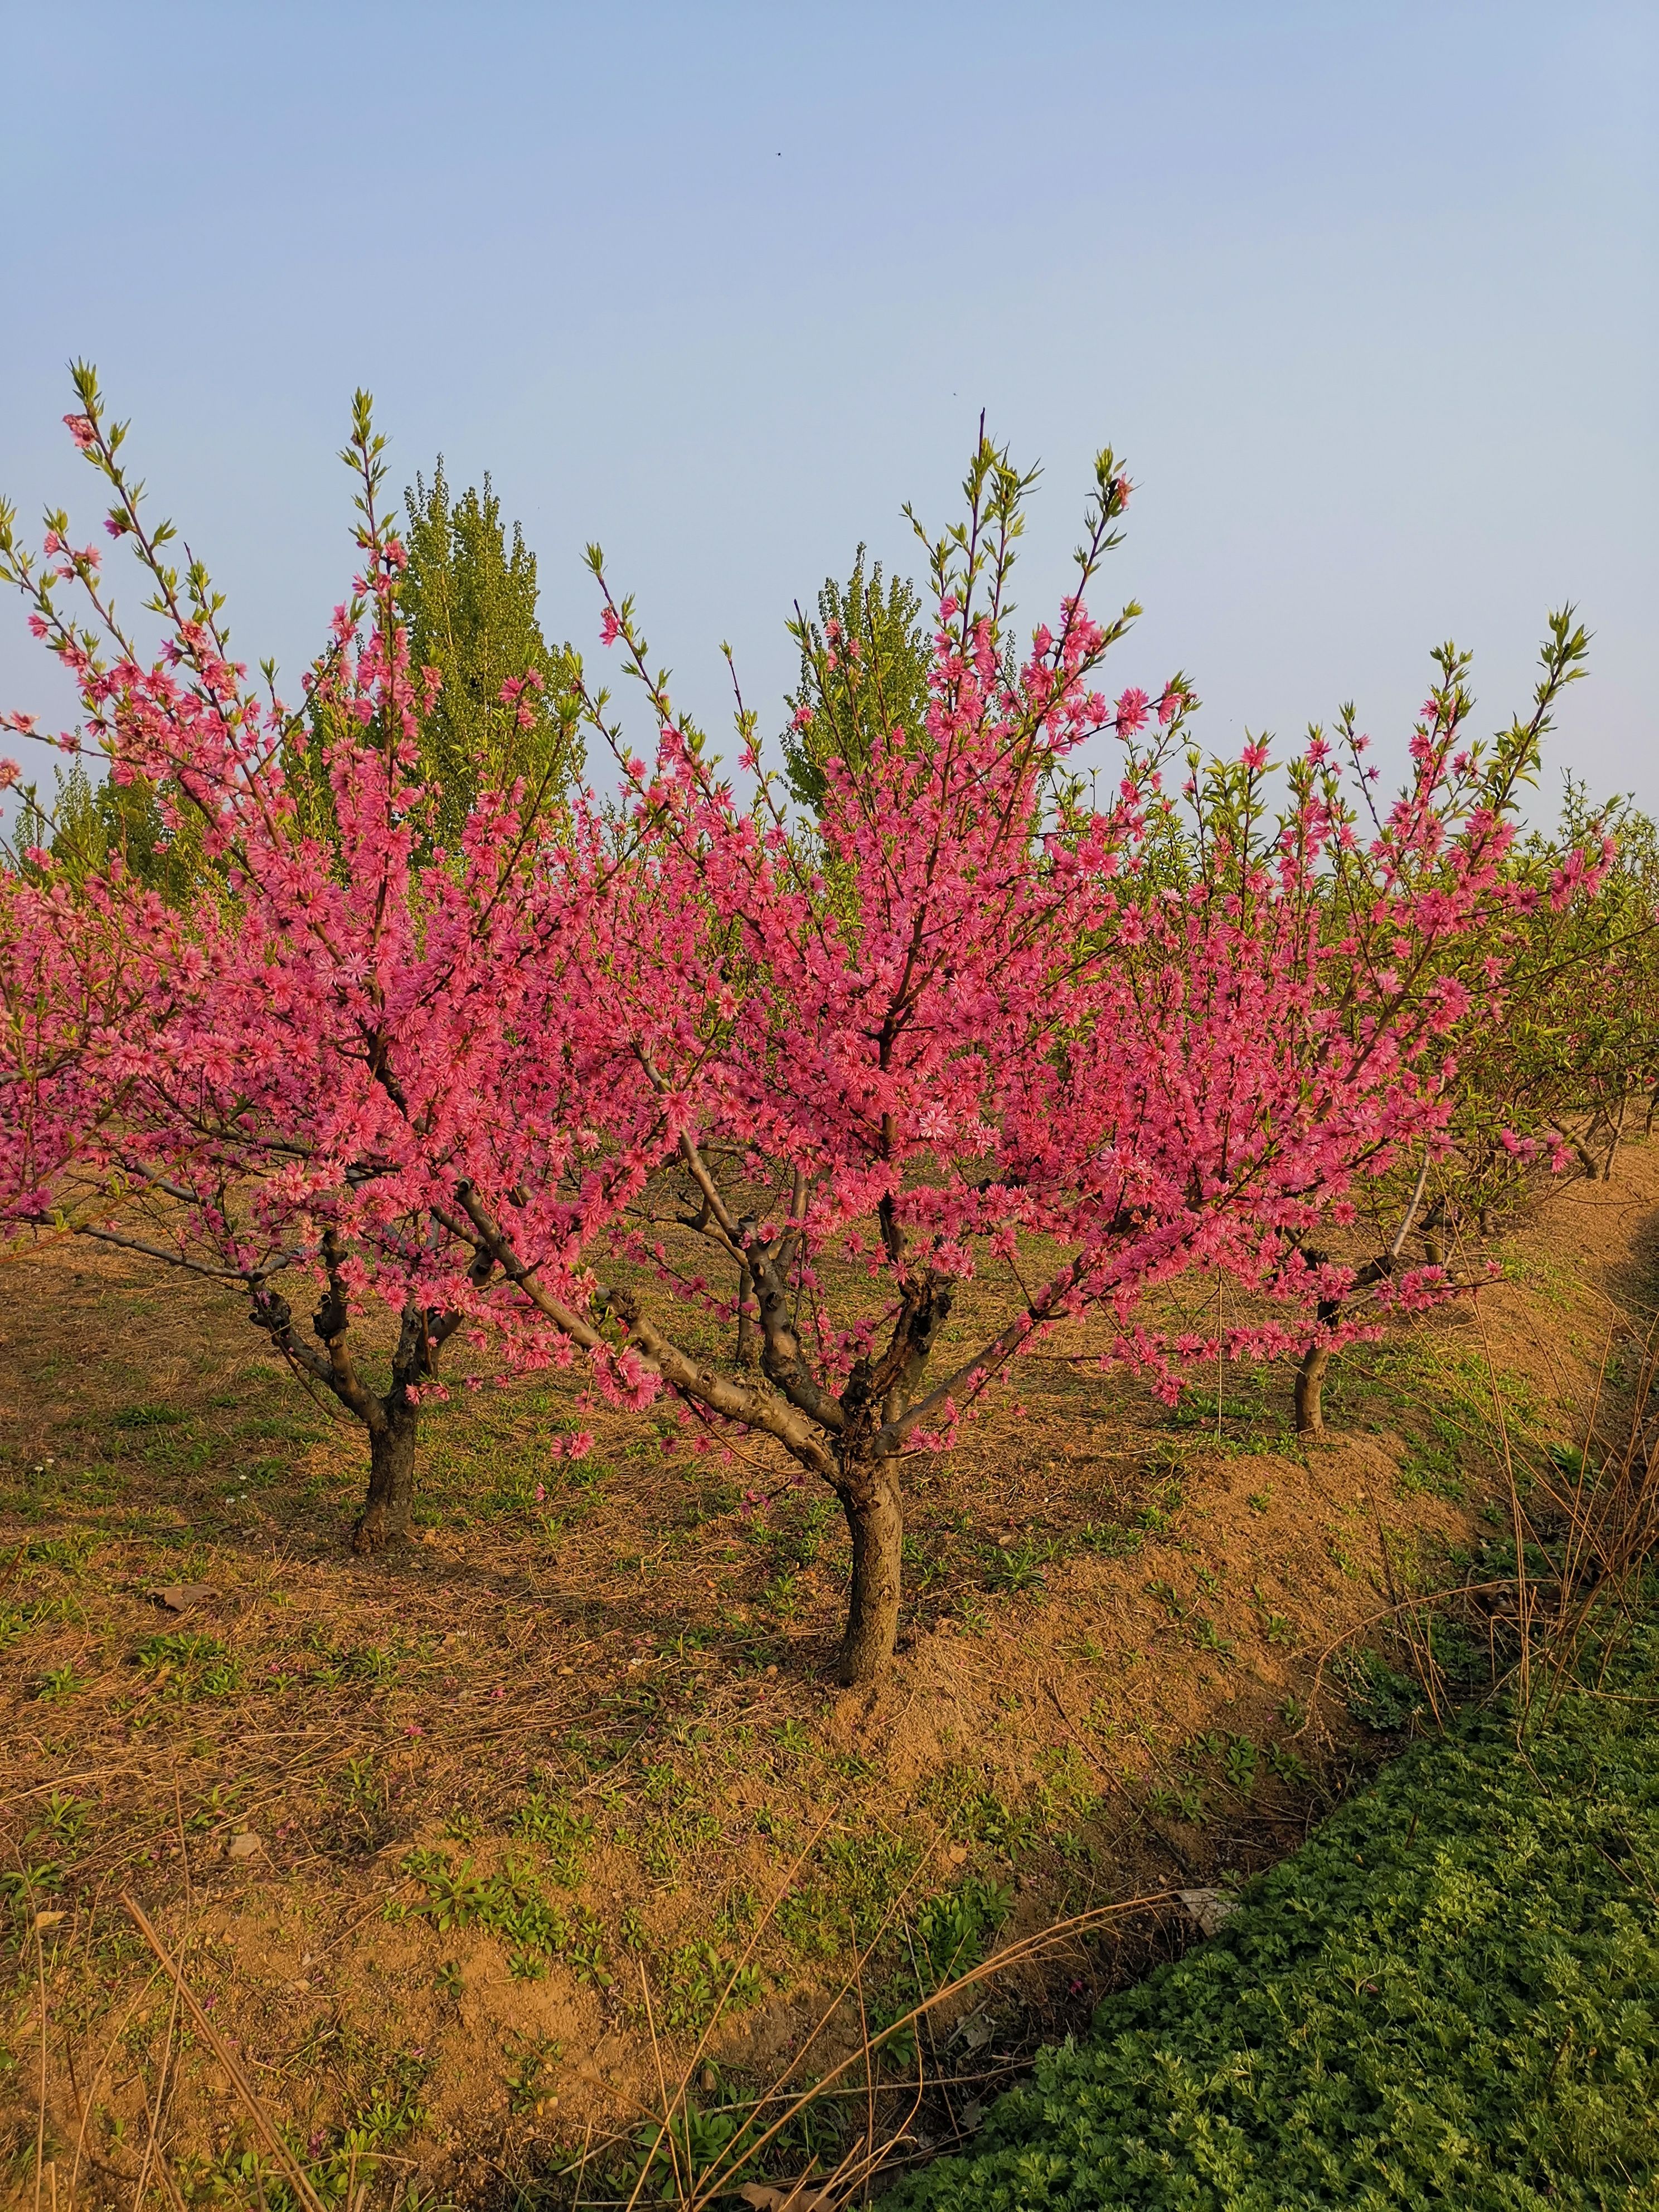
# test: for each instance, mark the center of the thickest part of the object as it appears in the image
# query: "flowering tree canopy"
(495, 1081)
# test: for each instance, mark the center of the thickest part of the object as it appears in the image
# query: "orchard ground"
(460, 1847)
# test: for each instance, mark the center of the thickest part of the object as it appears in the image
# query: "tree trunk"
(1435, 1224)
(1310, 1391)
(745, 1319)
(875, 1516)
(385, 1518)
(1618, 1133)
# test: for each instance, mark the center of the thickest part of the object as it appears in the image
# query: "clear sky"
(1365, 293)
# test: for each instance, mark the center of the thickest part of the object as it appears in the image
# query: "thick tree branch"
(782, 1360)
(734, 1401)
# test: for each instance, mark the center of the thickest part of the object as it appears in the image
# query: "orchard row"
(374, 1005)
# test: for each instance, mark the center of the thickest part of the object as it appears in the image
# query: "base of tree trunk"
(388, 1509)
(1310, 1391)
(375, 1531)
(876, 1519)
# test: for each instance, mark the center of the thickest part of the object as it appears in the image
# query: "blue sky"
(1365, 293)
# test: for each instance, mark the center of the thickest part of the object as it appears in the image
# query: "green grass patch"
(1448, 1997)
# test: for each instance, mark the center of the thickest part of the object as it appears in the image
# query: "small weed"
(15, 1620)
(666, 2161)
(62, 1682)
(63, 1821)
(1238, 1763)
(510, 1905)
(793, 1738)
(976, 1814)
(182, 1665)
(563, 1834)
(22, 1885)
(695, 1978)
(218, 1805)
(1208, 1637)
(363, 1794)
(1109, 1540)
(633, 1929)
(952, 1933)
(737, 1913)
(1287, 1764)
(1022, 1566)
(1434, 1474)
(70, 1551)
(781, 1598)
(527, 2081)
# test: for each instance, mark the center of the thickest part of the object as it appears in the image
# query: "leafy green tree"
(864, 668)
(88, 823)
(470, 605)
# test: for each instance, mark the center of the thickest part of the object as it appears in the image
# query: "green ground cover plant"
(1448, 1997)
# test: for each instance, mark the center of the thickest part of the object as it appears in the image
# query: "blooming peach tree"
(1005, 1023)
(237, 1084)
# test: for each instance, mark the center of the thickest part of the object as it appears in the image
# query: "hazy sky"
(1365, 293)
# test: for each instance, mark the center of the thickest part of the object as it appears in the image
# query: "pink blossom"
(82, 429)
(610, 626)
(1131, 712)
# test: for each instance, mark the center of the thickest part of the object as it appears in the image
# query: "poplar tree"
(468, 601)
(864, 669)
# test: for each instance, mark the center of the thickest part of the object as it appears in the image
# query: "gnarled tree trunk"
(869, 1493)
(392, 1421)
(386, 1512)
